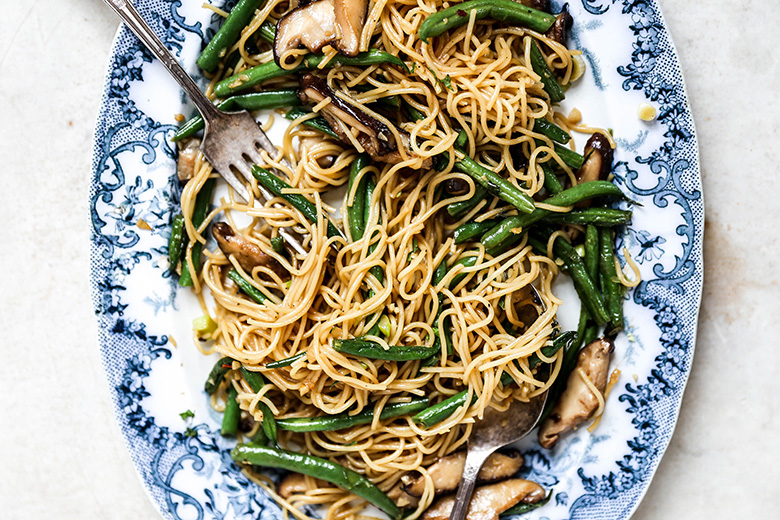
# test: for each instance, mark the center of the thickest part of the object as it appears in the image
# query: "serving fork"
(231, 140)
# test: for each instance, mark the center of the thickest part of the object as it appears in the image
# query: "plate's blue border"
(128, 349)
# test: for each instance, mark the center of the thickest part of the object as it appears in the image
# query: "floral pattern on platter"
(185, 465)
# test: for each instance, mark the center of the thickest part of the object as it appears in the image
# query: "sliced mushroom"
(456, 186)
(599, 155)
(344, 116)
(188, 154)
(578, 402)
(489, 501)
(447, 472)
(292, 484)
(561, 27)
(401, 498)
(312, 25)
(350, 16)
(311, 147)
(248, 254)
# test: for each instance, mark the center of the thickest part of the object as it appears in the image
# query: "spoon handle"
(475, 459)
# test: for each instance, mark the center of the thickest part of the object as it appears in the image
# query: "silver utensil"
(231, 140)
(494, 431)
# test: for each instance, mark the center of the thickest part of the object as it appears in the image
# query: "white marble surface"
(61, 455)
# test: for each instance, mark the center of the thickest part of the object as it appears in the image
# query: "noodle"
(478, 79)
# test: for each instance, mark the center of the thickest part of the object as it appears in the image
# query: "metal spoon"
(494, 431)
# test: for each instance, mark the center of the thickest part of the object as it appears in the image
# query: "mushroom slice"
(350, 16)
(489, 501)
(188, 154)
(247, 253)
(343, 116)
(312, 25)
(561, 27)
(599, 155)
(578, 402)
(447, 472)
(292, 484)
(401, 498)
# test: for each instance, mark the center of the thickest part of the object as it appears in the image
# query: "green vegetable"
(551, 182)
(561, 341)
(189, 414)
(376, 270)
(318, 468)
(228, 34)
(286, 362)
(603, 217)
(469, 261)
(551, 85)
(440, 411)
(176, 241)
(217, 374)
(470, 230)
(345, 420)
(277, 243)
(276, 185)
(202, 203)
(256, 382)
(502, 10)
(267, 32)
(256, 75)
(371, 350)
(356, 211)
(246, 287)
(318, 123)
(254, 101)
(569, 156)
(204, 325)
(612, 288)
(551, 130)
(384, 325)
(457, 209)
(523, 508)
(496, 185)
(232, 414)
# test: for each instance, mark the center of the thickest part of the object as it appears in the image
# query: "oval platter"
(155, 373)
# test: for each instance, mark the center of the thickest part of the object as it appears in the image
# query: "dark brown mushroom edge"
(560, 29)
(578, 402)
(317, 24)
(247, 253)
(489, 501)
(347, 115)
(598, 162)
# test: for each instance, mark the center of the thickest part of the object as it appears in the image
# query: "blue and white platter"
(155, 373)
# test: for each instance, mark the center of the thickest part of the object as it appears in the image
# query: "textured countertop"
(61, 454)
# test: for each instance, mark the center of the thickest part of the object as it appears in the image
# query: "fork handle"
(128, 13)
(475, 459)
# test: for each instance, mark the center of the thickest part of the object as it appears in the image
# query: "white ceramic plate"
(631, 59)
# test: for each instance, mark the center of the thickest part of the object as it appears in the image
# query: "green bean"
(591, 257)
(327, 423)
(584, 285)
(287, 97)
(202, 203)
(228, 34)
(267, 32)
(603, 217)
(440, 411)
(501, 10)
(551, 85)
(376, 270)
(318, 123)
(176, 241)
(505, 246)
(286, 362)
(371, 350)
(276, 185)
(570, 157)
(495, 184)
(256, 75)
(469, 261)
(562, 341)
(570, 197)
(217, 374)
(551, 130)
(256, 382)
(356, 210)
(523, 508)
(439, 273)
(246, 287)
(277, 243)
(317, 467)
(415, 114)
(469, 230)
(611, 286)
(551, 182)
(457, 209)
(232, 413)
